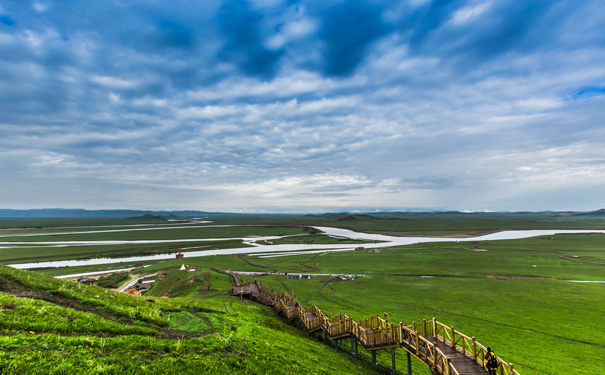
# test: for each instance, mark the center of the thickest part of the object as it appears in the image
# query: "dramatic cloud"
(302, 106)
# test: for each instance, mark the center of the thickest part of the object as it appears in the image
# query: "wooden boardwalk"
(459, 361)
(445, 350)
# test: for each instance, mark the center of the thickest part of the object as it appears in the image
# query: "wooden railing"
(339, 325)
(469, 346)
(312, 317)
(375, 333)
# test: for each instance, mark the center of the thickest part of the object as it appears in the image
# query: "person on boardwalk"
(490, 362)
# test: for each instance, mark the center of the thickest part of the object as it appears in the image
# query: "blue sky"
(302, 106)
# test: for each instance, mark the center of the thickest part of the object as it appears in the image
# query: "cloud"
(244, 44)
(348, 29)
(305, 106)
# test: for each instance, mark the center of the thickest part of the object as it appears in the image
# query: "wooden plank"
(463, 364)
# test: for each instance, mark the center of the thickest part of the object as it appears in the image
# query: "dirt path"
(130, 278)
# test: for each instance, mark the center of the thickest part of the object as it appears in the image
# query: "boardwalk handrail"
(468, 346)
(375, 333)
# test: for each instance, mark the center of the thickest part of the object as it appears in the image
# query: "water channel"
(373, 241)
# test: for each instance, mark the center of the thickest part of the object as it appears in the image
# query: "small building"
(143, 286)
(297, 276)
(192, 269)
(180, 256)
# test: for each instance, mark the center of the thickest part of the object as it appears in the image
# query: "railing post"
(435, 328)
(474, 349)
(449, 365)
(512, 370)
(416, 342)
(463, 345)
(423, 327)
(400, 340)
(453, 336)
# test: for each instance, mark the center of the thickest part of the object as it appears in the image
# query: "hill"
(50, 326)
(343, 216)
(600, 212)
(148, 217)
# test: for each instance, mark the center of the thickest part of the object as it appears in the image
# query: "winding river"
(276, 250)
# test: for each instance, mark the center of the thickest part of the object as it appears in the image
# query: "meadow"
(50, 326)
(513, 295)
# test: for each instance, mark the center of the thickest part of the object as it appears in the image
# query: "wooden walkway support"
(445, 350)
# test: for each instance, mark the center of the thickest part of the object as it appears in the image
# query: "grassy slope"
(49, 326)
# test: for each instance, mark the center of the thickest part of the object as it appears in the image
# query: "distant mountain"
(78, 212)
(344, 216)
(600, 212)
(147, 217)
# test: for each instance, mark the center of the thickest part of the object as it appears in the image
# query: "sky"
(303, 106)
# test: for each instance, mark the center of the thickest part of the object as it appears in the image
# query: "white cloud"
(430, 115)
(468, 14)
(292, 30)
(149, 101)
(50, 158)
(115, 82)
(41, 6)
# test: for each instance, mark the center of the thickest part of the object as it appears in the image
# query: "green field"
(55, 327)
(512, 295)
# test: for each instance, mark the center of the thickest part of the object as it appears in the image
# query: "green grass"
(112, 281)
(164, 233)
(529, 313)
(33, 253)
(189, 336)
(427, 224)
(179, 284)
(54, 224)
(38, 316)
(312, 239)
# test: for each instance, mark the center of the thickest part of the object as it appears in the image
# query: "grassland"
(427, 224)
(50, 326)
(160, 233)
(512, 295)
(34, 250)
